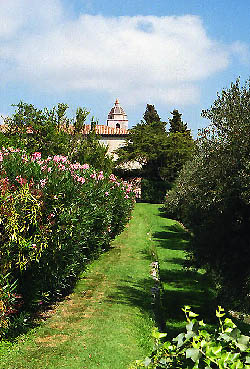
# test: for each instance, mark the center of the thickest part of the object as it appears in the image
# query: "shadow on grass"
(139, 294)
(181, 286)
(133, 293)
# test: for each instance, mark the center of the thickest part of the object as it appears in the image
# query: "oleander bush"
(200, 347)
(55, 216)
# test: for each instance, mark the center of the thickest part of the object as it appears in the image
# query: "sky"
(174, 54)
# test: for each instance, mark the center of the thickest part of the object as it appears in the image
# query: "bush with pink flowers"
(55, 217)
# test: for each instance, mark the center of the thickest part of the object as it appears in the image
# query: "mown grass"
(107, 321)
(180, 285)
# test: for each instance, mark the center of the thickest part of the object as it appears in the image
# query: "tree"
(151, 114)
(47, 131)
(88, 149)
(38, 130)
(176, 124)
(160, 153)
(212, 195)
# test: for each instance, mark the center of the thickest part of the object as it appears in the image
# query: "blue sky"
(174, 54)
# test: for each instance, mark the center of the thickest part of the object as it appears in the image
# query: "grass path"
(106, 323)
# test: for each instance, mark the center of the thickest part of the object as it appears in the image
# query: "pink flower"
(61, 167)
(36, 156)
(85, 166)
(112, 178)
(1, 156)
(75, 166)
(100, 176)
(21, 180)
(106, 193)
(81, 179)
(43, 182)
(58, 158)
(44, 168)
(29, 130)
(126, 197)
(49, 169)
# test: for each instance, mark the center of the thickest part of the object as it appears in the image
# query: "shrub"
(211, 196)
(55, 216)
(198, 347)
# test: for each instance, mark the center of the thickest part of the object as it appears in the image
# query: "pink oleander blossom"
(106, 193)
(43, 182)
(36, 156)
(58, 158)
(81, 179)
(85, 166)
(100, 176)
(61, 166)
(21, 180)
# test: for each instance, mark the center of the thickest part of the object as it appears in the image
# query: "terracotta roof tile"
(106, 130)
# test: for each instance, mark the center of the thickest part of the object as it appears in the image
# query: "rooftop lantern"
(117, 117)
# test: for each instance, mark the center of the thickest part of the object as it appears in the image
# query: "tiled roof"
(103, 130)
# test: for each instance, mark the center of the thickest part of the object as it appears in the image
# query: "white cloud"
(242, 51)
(140, 57)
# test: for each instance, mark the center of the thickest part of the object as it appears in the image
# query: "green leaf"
(179, 339)
(194, 354)
(189, 326)
(157, 334)
(147, 362)
(243, 342)
(189, 335)
(192, 315)
(163, 361)
(220, 312)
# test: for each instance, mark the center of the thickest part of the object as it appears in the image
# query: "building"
(115, 132)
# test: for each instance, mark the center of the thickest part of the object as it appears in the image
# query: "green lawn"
(107, 321)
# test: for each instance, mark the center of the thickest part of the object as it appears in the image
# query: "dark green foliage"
(199, 348)
(87, 149)
(38, 130)
(151, 114)
(160, 153)
(176, 124)
(212, 196)
(154, 191)
(79, 121)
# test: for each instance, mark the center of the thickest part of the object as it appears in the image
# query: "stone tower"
(117, 117)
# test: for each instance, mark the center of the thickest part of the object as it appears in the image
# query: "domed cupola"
(117, 117)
